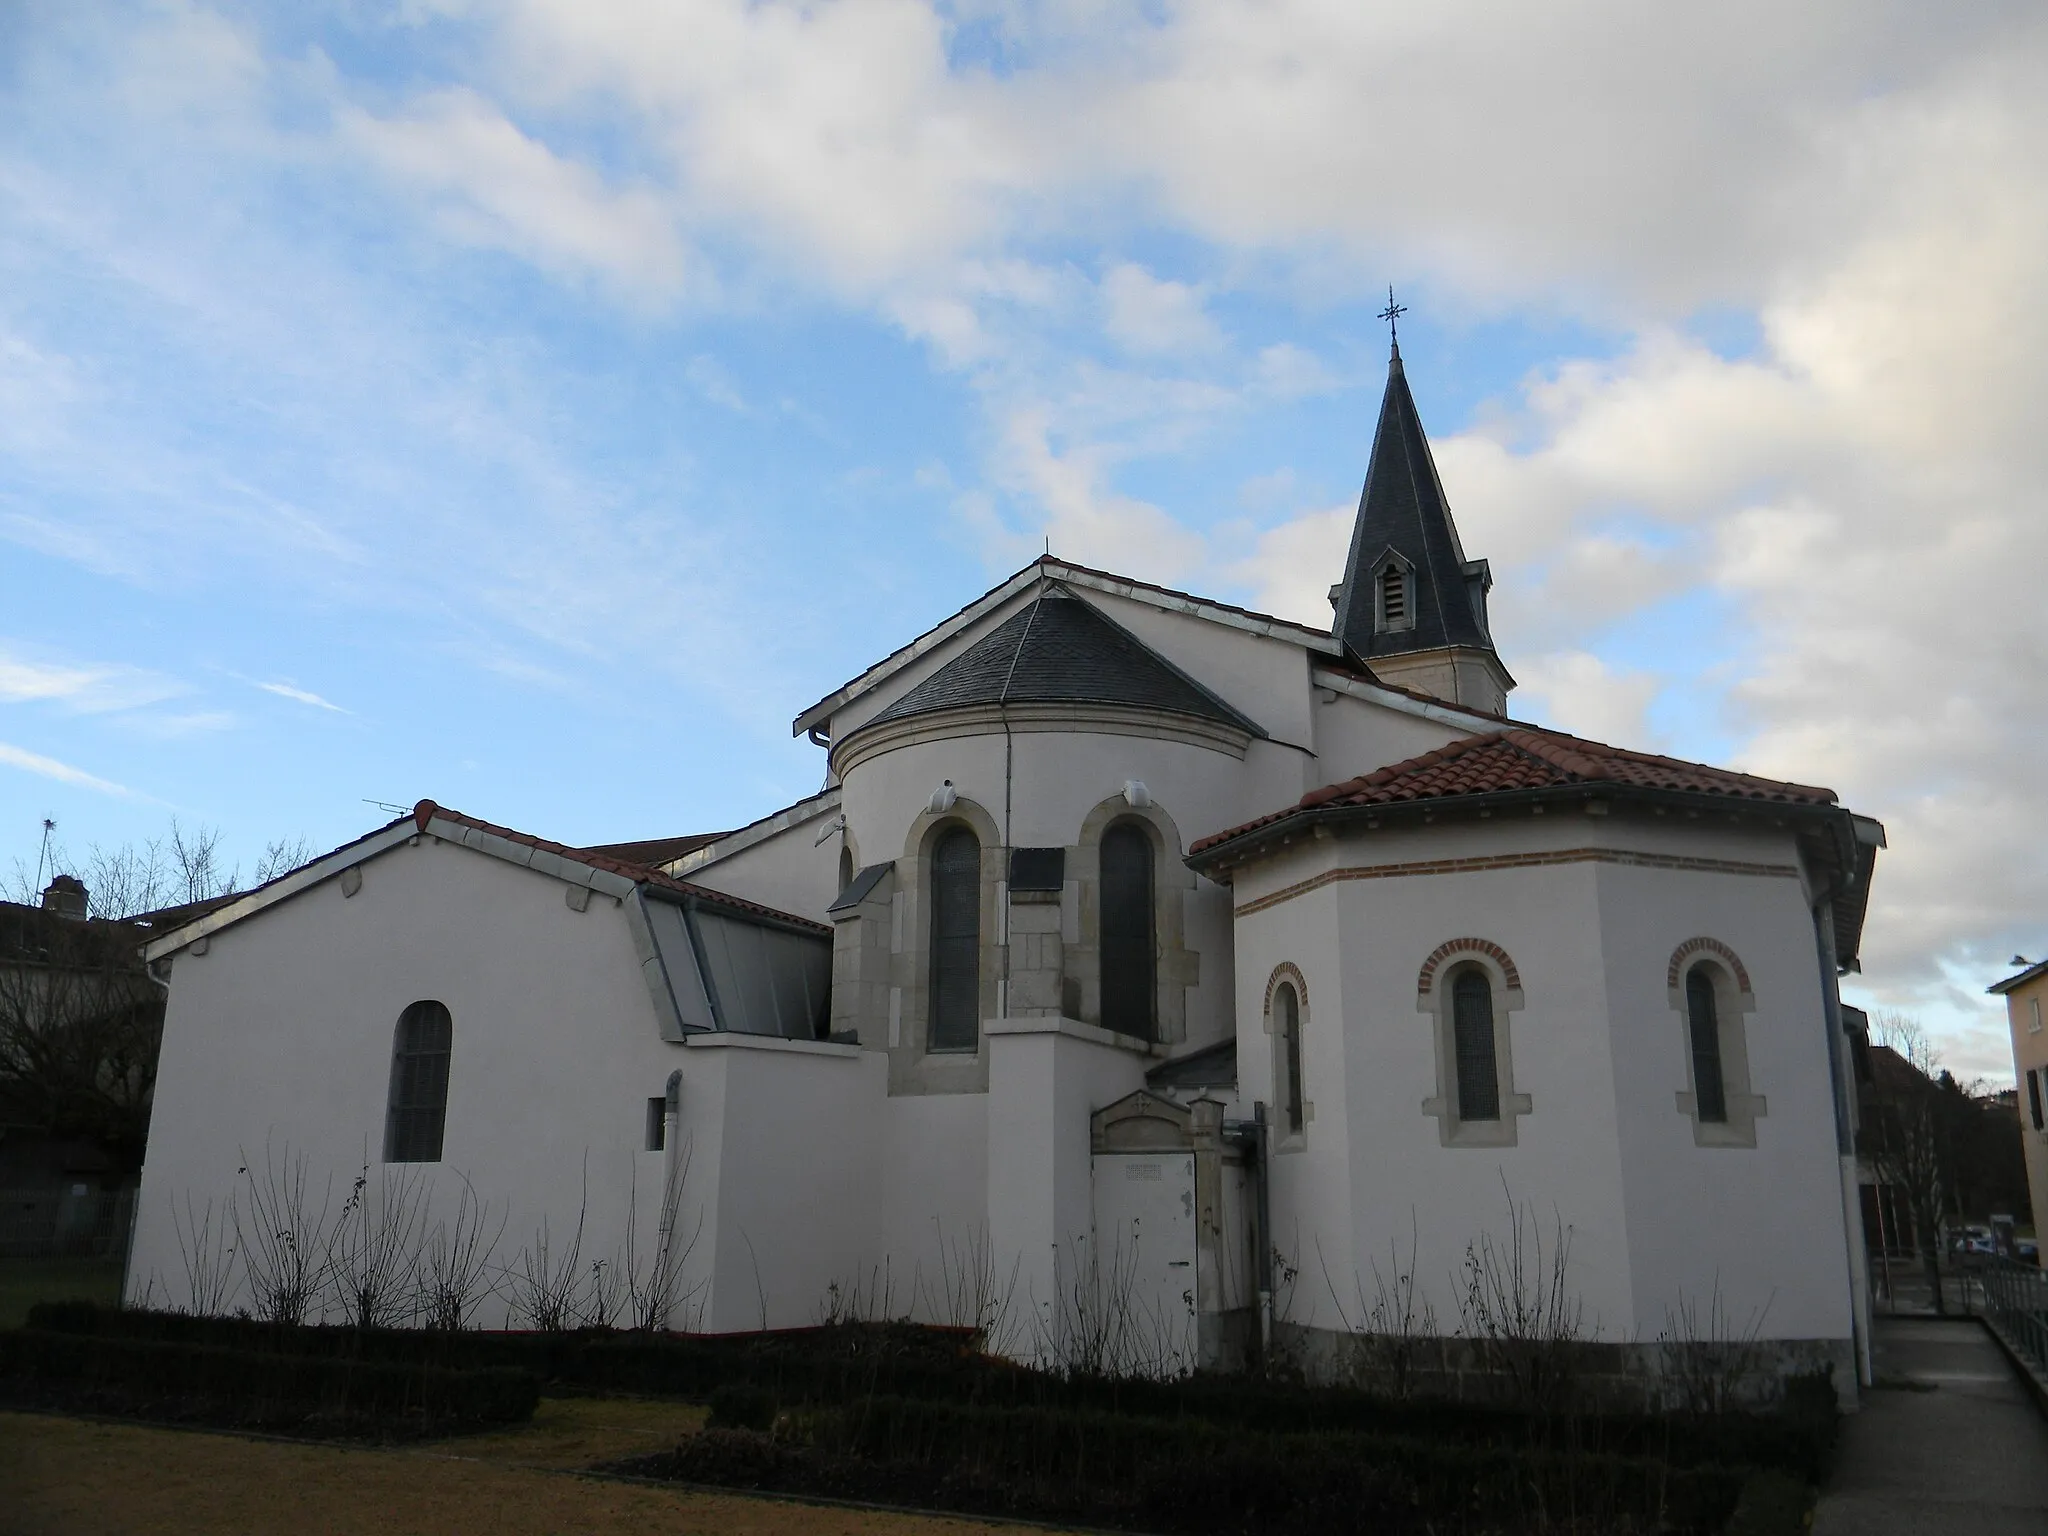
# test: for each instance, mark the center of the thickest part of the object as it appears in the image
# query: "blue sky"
(533, 406)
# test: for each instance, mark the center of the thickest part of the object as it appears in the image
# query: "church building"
(1153, 983)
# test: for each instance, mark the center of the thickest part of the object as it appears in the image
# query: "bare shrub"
(1098, 1324)
(282, 1240)
(456, 1262)
(1514, 1304)
(970, 1294)
(206, 1249)
(1712, 1364)
(545, 1281)
(1395, 1337)
(651, 1291)
(374, 1252)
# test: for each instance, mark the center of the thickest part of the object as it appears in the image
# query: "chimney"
(65, 897)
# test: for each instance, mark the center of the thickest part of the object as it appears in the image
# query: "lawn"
(24, 1282)
(65, 1477)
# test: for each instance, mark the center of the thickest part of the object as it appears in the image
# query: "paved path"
(1969, 1456)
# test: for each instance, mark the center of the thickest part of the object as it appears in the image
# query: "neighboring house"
(1140, 953)
(2026, 1000)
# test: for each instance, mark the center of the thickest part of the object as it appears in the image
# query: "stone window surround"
(913, 1069)
(1286, 973)
(1178, 967)
(1435, 1000)
(1733, 1003)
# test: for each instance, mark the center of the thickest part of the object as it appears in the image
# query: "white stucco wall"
(1596, 1046)
(791, 1129)
(790, 869)
(280, 1036)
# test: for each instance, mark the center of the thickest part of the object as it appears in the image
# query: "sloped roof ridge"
(1126, 669)
(427, 811)
(1048, 567)
(1526, 758)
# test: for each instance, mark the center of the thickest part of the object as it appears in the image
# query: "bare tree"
(80, 1019)
(80, 1022)
(1907, 1134)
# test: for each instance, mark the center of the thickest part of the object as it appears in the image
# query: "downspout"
(1261, 1143)
(1009, 780)
(1856, 1256)
(671, 1192)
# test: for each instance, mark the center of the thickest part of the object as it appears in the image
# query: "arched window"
(1709, 1090)
(1472, 1035)
(845, 867)
(1129, 955)
(956, 942)
(1287, 1024)
(419, 1084)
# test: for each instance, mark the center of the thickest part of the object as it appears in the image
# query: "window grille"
(419, 1084)
(956, 942)
(1128, 951)
(1287, 1014)
(1472, 1032)
(1709, 1094)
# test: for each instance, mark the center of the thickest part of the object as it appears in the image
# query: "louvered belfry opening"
(419, 1084)
(1393, 596)
(1472, 1033)
(1129, 958)
(1710, 1098)
(956, 942)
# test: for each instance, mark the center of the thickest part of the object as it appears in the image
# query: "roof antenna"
(42, 857)
(1392, 315)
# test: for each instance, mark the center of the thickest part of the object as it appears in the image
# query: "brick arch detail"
(1706, 946)
(1286, 971)
(1427, 979)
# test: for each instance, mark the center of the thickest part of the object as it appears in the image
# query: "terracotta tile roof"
(640, 874)
(1525, 759)
(656, 851)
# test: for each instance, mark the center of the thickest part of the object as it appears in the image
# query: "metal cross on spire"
(1392, 314)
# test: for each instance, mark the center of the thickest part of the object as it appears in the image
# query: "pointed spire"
(1407, 585)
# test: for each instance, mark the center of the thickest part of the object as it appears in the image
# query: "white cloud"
(86, 687)
(63, 773)
(1578, 692)
(301, 696)
(1149, 315)
(493, 185)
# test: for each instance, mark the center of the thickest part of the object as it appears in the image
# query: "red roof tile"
(1527, 758)
(656, 851)
(640, 874)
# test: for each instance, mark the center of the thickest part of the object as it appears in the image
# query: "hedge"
(1195, 1479)
(851, 1363)
(206, 1382)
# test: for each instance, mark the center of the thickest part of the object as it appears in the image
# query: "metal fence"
(65, 1220)
(2016, 1304)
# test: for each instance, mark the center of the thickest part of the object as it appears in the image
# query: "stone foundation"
(1624, 1377)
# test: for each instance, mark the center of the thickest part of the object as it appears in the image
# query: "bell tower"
(1411, 607)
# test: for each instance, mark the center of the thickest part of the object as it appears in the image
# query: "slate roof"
(1403, 509)
(1528, 759)
(1066, 651)
(1213, 1066)
(1051, 568)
